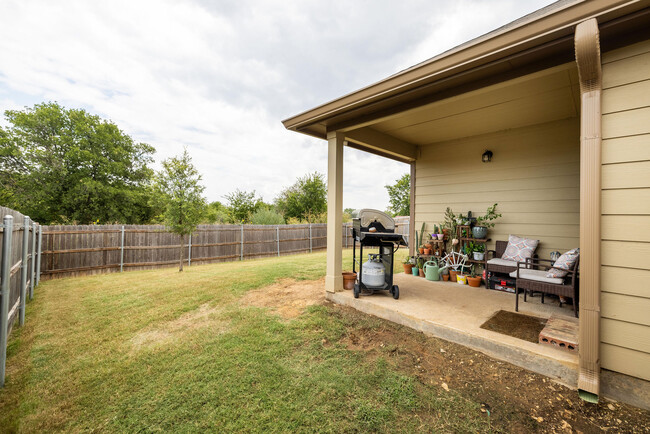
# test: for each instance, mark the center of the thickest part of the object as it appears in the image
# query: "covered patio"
(456, 312)
(569, 168)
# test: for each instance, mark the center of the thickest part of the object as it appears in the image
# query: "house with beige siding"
(562, 99)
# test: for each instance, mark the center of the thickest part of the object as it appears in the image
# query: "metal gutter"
(587, 50)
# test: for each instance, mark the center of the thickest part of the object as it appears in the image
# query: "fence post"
(31, 263)
(241, 246)
(4, 287)
(38, 256)
(345, 230)
(310, 239)
(277, 235)
(122, 251)
(189, 252)
(23, 271)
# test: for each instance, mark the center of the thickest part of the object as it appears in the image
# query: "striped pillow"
(519, 249)
(567, 261)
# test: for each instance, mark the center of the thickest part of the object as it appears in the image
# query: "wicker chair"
(497, 253)
(531, 274)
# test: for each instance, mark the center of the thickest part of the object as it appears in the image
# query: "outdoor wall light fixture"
(487, 156)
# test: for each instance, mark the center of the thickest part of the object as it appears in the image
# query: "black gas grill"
(373, 228)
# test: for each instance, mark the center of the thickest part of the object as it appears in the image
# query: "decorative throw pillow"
(566, 261)
(519, 249)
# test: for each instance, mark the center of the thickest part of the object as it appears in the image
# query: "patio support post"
(411, 239)
(334, 276)
(587, 51)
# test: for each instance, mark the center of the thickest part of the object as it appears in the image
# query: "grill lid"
(368, 216)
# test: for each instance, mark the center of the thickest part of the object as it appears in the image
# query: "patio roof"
(535, 42)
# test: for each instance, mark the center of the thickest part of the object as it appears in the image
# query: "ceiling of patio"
(545, 96)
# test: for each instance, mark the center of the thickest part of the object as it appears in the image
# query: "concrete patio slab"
(455, 313)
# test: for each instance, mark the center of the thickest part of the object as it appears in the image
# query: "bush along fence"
(20, 266)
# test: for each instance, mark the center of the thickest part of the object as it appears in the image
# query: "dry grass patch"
(288, 298)
(172, 331)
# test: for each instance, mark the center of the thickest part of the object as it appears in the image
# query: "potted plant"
(415, 270)
(408, 265)
(461, 278)
(473, 280)
(478, 251)
(419, 239)
(349, 279)
(445, 274)
(479, 231)
(421, 266)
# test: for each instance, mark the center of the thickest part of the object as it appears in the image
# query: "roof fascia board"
(525, 35)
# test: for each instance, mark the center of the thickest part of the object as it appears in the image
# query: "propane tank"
(374, 272)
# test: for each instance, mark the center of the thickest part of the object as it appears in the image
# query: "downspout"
(587, 50)
(412, 246)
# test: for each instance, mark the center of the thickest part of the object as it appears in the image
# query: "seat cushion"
(538, 275)
(502, 262)
(566, 261)
(519, 249)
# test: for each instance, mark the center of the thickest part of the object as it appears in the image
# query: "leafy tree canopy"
(305, 200)
(178, 187)
(399, 196)
(63, 165)
(267, 216)
(242, 205)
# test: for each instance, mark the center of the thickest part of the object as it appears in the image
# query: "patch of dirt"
(518, 400)
(288, 298)
(516, 325)
(203, 317)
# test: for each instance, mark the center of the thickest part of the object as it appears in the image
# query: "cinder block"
(561, 333)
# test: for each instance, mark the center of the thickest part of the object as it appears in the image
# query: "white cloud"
(219, 76)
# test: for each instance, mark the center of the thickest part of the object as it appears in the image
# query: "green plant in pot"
(478, 251)
(420, 263)
(473, 279)
(484, 222)
(408, 266)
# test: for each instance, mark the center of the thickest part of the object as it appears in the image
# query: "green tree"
(241, 205)
(399, 196)
(178, 186)
(305, 200)
(64, 165)
(267, 216)
(217, 213)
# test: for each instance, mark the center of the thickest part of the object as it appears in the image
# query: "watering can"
(431, 270)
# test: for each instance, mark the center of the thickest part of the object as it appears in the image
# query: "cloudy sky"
(219, 76)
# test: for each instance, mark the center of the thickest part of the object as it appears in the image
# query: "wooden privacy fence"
(90, 249)
(21, 240)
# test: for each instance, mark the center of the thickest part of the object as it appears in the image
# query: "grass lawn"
(161, 350)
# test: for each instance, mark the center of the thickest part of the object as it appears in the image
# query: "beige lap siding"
(625, 298)
(533, 176)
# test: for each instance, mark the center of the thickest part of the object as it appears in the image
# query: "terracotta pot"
(427, 246)
(421, 272)
(452, 275)
(349, 278)
(445, 277)
(427, 251)
(421, 250)
(474, 281)
(408, 268)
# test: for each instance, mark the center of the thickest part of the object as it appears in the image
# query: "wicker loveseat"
(531, 276)
(496, 264)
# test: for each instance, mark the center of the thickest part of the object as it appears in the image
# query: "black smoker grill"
(375, 229)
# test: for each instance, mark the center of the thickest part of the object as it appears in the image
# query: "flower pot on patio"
(427, 251)
(421, 250)
(408, 268)
(421, 271)
(415, 270)
(461, 279)
(452, 275)
(474, 282)
(479, 232)
(349, 278)
(445, 277)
